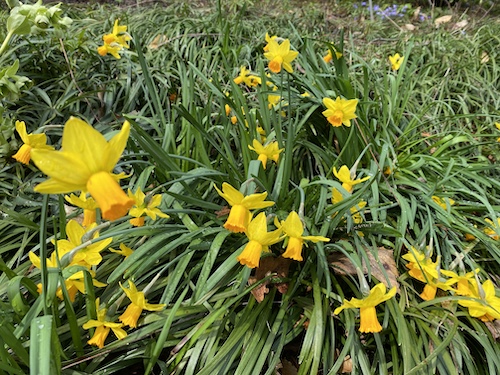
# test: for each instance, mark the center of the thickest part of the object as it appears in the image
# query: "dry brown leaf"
(223, 212)
(460, 25)
(441, 20)
(346, 365)
(379, 269)
(269, 265)
(158, 41)
(494, 328)
(408, 27)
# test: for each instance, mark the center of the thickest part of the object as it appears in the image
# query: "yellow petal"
(116, 146)
(82, 139)
(67, 168)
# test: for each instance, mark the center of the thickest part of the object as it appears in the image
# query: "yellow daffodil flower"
(138, 302)
(366, 306)
(88, 204)
(293, 229)
(85, 163)
(422, 268)
(493, 229)
(442, 201)
(347, 177)
(340, 111)
(31, 141)
(485, 305)
(124, 250)
(141, 208)
(396, 61)
(279, 55)
(464, 282)
(112, 49)
(329, 57)
(269, 151)
(87, 256)
(259, 240)
(227, 109)
(103, 327)
(268, 39)
(240, 215)
(497, 124)
(115, 42)
(247, 78)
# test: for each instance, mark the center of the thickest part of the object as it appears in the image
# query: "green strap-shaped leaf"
(40, 346)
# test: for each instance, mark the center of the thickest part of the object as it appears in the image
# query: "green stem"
(6, 41)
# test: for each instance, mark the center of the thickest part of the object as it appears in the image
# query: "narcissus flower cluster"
(240, 220)
(115, 42)
(479, 298)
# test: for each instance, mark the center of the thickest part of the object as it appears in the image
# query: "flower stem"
(6, 41)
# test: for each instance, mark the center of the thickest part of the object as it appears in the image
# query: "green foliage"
(424, 131)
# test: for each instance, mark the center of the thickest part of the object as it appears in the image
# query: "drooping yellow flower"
(422, 268)
(141, 208)
(103, 327)
(31, 141)
(464, 283)
(259, 240)
(442, 201)
(340, 111)
(293, 229)
(493, 229)
(329, 57)
(348, 178)
(247, 78)
(240, 215)
(87, 256)
(368, 314)
(269, 151)
(112, 49)
(280, 55)
(88, 204)
(138, 302)
(124, 250)
(396, 61)
(115, 42)
(484, 304)
(85, 163)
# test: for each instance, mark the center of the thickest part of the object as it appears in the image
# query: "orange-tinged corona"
(112, 200)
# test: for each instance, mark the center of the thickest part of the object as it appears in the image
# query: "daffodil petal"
(65, 167)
